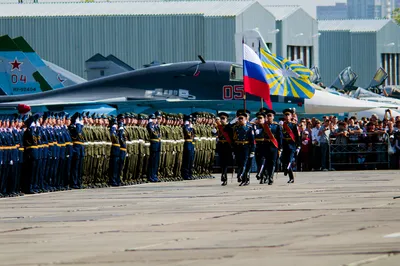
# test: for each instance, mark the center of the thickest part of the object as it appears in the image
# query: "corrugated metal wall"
(220, 38)
(256, 16)
(296, 30)
(137, 40)
(388, 43)
(335, 54)
(363, 59)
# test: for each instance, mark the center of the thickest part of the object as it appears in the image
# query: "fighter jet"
(213, 85)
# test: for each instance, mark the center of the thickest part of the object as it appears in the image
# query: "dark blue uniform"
(243, 145)
(123, 151)
(12, 155)
(31, 157)
(61, 146)
(289, 145)
(188, 152)
(155, 148)
(20, 145)
(14, 159)
(49, 167)
(44, 153)
(76, 133)
(5, 171)
(267, 147)
(114, 157)
(69, 151)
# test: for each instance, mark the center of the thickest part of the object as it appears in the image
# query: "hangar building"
(365, 45)
(136, 32)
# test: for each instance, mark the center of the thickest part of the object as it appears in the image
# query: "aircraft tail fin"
(253, 39)
(17, 74)
(50, 76)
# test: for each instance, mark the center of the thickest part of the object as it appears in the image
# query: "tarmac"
(324, 218)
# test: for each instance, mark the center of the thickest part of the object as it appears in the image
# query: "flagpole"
(244, 96)
(259, 54)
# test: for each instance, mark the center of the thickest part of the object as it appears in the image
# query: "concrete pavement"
(325, 218)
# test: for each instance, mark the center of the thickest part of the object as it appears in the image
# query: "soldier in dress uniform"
(12, 158)
(115, 153)
(31, 155)
(144, 148)
(75, 130)
(271, 144)
(61, 152)
(123, 148)
(19, 135)
(224, 148)
(69, 151)
(243, 146)
(291, 143)
(188, 148)
(44, 137)
(153, 129)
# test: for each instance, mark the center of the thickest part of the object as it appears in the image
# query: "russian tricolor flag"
(255, 80)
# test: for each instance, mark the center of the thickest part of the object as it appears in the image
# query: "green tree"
(396, 15)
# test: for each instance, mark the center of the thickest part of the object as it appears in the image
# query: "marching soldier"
(153, 129)
(291, 143)
(224, 143)
(243, 145)
(271, 143)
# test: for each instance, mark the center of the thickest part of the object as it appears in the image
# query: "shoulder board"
(275, 123)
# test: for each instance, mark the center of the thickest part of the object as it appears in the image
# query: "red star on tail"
(16, 65)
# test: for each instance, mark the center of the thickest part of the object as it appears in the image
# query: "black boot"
(224, 179)
(291, 177)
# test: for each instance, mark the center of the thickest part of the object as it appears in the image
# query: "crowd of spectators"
(351, 143)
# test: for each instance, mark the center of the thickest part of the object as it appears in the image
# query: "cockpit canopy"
(236, 73)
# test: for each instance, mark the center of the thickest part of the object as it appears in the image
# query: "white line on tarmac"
(393, 235)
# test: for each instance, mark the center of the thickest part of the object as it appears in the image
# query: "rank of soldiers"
(56, 151)
(262, 138)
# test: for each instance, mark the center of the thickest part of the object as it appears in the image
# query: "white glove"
(281, 123)
(67, 156)
(251, 154)
(214, 130)
(233, 121)
(127, 155)
(297, 150)
(11, 162)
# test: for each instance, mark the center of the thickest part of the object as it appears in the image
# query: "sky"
(309, 6)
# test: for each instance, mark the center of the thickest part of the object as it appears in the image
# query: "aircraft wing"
(326, 102)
